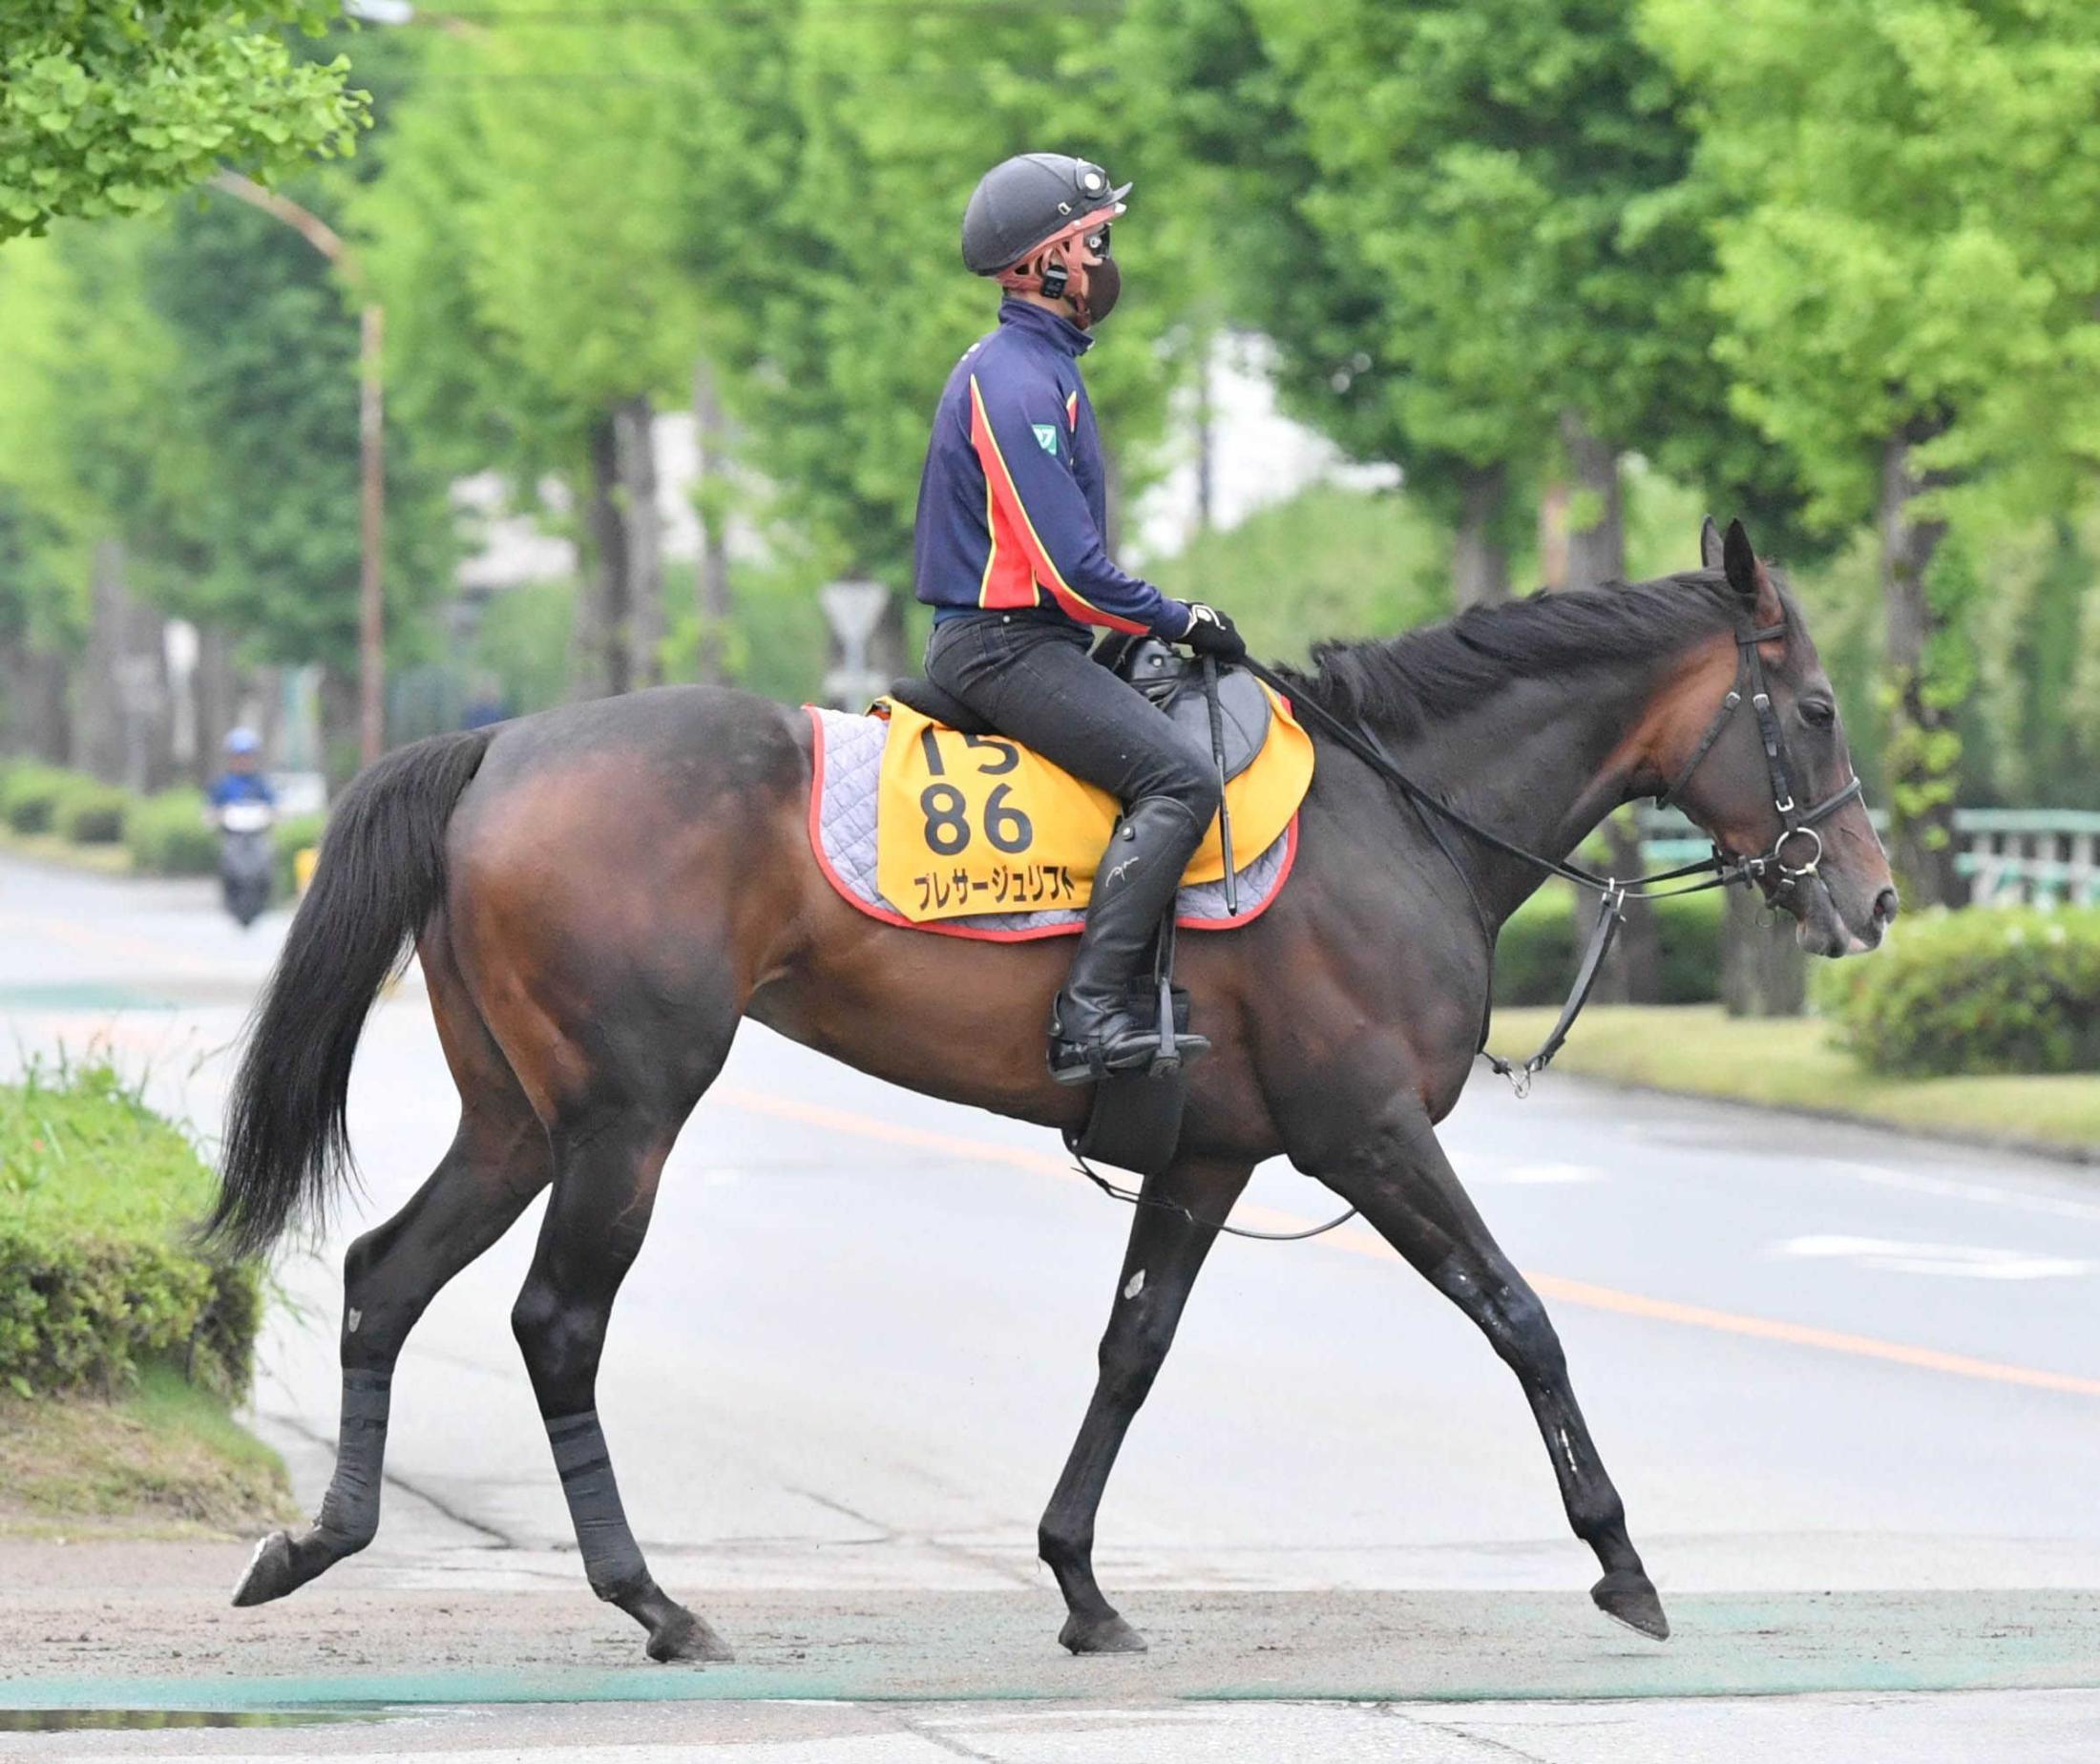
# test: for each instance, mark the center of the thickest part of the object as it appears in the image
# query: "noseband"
(1794, 823)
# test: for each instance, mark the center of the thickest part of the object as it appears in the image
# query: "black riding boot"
(1093, 1031)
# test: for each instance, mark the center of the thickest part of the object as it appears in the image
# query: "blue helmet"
(243, 740)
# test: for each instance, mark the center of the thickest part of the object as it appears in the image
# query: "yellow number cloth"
(979, 824)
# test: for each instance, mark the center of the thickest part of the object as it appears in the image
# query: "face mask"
(1103, 288)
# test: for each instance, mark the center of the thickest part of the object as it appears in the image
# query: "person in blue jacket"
(1010, 555)
(241, 782)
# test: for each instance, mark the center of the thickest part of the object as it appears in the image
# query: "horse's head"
(1797, 807)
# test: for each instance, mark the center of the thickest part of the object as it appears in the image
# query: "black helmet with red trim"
(1024, 204)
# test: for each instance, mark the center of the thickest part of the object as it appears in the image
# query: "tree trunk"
(712, 496)
(342, 719)
(217, 696)
(1763, 972)
(1596, 525)
(597, 659)
(123, 733)
(1480, 561)
(634, 433)
(1594, 530)
(1922, 747)
(33, 682)
(1553, 535)
(1206, 439)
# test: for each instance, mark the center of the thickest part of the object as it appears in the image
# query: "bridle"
(1794, 823)
(1721, 870)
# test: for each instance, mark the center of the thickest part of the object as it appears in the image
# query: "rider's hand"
(1210, 633)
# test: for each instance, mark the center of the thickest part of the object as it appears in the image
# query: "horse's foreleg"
(1398, 1178)
(1166, 1251)
(390, 1276)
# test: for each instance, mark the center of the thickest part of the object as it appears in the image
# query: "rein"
(1721, 870)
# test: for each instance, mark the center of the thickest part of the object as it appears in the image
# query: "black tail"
(381, 875)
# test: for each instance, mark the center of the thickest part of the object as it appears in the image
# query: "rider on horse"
(1010, 555)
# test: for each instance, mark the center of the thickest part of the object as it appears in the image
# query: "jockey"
(1011, 558)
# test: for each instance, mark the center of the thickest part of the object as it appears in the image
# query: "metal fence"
(2041, 857)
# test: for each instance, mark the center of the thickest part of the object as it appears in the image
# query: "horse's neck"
(1541, 766)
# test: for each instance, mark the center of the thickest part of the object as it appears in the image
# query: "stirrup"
(1134, 1049)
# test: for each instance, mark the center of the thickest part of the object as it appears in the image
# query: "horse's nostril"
(1886, 904)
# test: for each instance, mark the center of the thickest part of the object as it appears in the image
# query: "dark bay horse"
(598, 893)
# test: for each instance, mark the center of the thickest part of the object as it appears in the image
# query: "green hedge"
(30, 794)
(1536, 956)
(96, 1273)
(167, 835)
(90, 812)
(1983, 990)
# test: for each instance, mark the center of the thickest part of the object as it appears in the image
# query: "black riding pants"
(1030, 677)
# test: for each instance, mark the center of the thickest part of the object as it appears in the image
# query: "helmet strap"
(1055, 270)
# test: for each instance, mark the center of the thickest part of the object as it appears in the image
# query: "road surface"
(1846, 1381)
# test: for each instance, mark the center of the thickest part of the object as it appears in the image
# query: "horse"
(598, 893)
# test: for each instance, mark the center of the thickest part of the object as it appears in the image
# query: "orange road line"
(1580, 1293)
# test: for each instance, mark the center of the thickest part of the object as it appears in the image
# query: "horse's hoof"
(1629, 1596)
(269, 1572)
(683, 1636)
(1096, 1635)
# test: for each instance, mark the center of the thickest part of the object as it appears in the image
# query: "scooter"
(246, 858)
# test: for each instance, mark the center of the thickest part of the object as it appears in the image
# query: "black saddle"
(1171, 680)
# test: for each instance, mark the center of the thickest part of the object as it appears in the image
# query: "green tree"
(1908, 281)
(108, 107)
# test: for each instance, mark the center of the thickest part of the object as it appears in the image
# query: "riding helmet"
(1025, 201)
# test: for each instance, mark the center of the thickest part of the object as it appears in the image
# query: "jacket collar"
(1053, 328)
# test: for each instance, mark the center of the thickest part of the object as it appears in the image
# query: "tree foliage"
(108, 107)
(1915, 231)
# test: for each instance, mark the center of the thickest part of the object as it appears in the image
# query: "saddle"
(1171, 680)
(1135, 1118)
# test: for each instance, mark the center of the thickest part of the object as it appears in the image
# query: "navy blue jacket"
(1011, 506)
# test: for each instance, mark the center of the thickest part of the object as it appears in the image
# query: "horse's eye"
(1818, 713)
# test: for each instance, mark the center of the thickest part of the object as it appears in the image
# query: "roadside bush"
(28, 794)
(1535, 958)
(167, 835)
(289, 838)
(91, 813)
(1977, 991)
(96, 1275)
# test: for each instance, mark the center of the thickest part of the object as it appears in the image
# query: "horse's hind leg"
(1165, 1253)
(1398, 1177)
(497, 1162)
(608, 1156)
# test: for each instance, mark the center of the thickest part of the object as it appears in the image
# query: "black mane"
(1429, 674)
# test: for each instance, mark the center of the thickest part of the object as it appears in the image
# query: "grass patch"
(98, 1273)
(1794, 1062)
(123, 1345)
(166, 1458)
(109, 860)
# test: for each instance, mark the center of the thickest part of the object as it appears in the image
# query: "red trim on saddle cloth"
(953, 928)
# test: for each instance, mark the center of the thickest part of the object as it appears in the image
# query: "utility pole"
(371, 331)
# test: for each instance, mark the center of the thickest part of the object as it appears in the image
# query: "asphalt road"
(1818, 1361)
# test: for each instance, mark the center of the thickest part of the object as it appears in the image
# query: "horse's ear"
(1747, 575)
(1710, 544)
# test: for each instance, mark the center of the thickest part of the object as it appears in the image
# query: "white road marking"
(1963, 1261)
(1541, 1175)
(1991, 1194)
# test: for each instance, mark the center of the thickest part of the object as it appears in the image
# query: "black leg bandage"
(350, 1511)
(612, 1560)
